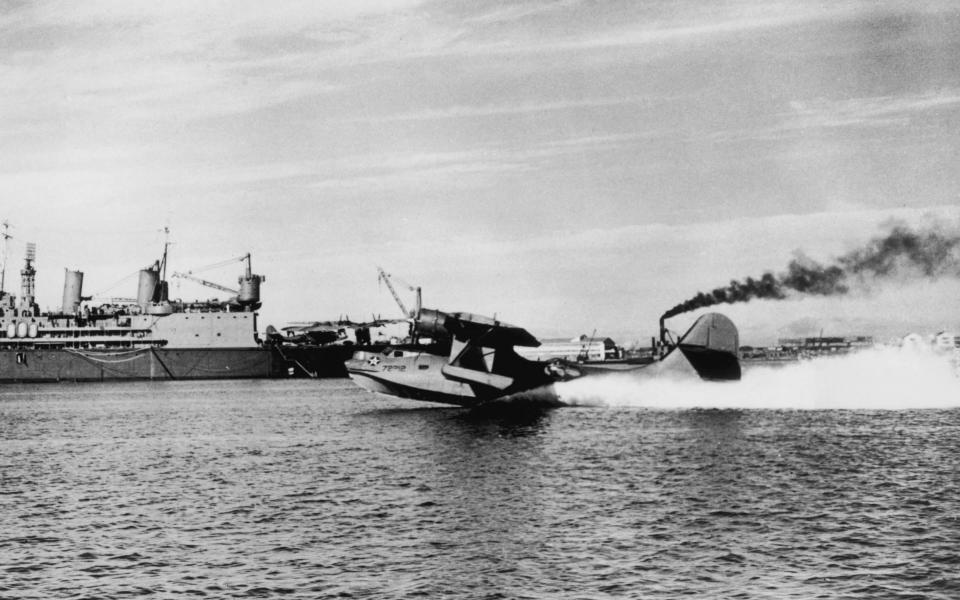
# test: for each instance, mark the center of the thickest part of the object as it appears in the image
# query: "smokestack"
(147, 286)
(72, 288)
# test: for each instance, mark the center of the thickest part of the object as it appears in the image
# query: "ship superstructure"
(149, 337)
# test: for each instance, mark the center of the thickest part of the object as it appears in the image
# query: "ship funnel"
(250, 289)
(249, 294)
(148, 284)
(72, 288)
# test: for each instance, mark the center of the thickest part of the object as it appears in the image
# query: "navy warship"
(150, 337)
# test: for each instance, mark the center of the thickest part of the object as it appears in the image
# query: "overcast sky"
(568, 165)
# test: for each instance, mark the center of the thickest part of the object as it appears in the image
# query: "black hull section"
(38, 365)
(34, 365)
(713, 365)
(316, 361)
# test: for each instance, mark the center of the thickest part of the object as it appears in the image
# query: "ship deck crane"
(210, 284)
(386, 279)
(249, 292)
(223, 263)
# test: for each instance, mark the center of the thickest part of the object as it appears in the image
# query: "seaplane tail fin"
(712, 347)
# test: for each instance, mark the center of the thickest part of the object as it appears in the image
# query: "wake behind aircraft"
(471, 361)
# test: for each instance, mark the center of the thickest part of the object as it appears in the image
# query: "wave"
(880, 378)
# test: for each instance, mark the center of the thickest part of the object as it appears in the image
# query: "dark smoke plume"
(932, 253)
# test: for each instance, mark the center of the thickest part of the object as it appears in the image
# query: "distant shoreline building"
(818, 346)
(788, 349)
(579, 349)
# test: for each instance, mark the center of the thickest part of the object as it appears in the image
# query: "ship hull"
(39, 365)
(317, 361)
(35, 365)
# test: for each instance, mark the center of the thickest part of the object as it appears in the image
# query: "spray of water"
(882, 378)
(931, 253)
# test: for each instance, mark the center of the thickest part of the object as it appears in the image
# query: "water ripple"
(289, 489)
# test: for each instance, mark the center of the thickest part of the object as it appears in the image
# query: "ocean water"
(790, 484)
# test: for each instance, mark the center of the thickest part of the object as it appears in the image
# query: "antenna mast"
(3, 261)
(166, 245)
(28, 286)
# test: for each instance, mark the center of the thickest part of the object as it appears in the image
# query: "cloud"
(377, 171)
(179, 60)
(541, 119)
(822, 115)
(98, 173)
(156, 61)
(458, 112)
(876, 111)
(519, 10)
(460, 174)
(646, 25)
(620, 279)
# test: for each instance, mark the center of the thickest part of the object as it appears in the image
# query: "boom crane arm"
(211, 284)
(385, 277)
(223, 263)
(247, 297)
(190, 274)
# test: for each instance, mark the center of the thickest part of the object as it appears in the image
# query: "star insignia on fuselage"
(374, 361)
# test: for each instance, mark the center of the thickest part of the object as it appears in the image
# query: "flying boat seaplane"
(342, 331)
(470, 360)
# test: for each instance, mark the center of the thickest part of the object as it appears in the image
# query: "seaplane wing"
(299, 326)
(477, 362)
(381, 322)
(480, 330)
(475, 329)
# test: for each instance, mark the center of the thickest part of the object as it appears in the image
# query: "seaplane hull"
(411, 375)
(479, 366)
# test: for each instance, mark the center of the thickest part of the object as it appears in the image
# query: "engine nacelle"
(431, 323)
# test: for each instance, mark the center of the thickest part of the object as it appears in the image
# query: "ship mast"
(162, 293)
(166, 245)
(28, 286)
(3, 261)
